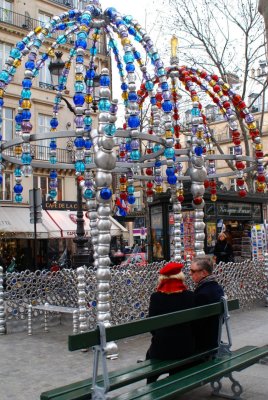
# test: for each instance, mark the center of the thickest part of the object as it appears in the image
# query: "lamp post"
(81, 257)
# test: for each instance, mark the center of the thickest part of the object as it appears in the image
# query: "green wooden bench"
(212, 370)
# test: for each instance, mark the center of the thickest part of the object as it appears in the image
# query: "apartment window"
(44, 73)
(8, 123)
(5, 189)
(232, 150)
(43, 17)
(6, 8)
(42, 182)
(43, 126)
(4, 53)
(232, 183)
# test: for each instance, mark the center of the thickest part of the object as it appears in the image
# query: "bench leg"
(235, 386)
(45, 321)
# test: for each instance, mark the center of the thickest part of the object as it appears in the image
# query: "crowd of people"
(181, 341)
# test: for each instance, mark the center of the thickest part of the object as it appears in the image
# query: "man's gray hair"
(204, 263)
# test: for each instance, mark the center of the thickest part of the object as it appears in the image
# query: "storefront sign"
(63, 205)
(234, 209)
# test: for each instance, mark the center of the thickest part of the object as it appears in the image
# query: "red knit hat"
(171, 278)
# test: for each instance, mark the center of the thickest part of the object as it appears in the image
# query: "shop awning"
(15, 223)
(66, 223)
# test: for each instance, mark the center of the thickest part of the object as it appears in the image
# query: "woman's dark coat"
(208, 291)
(176, 341)
(223, 251)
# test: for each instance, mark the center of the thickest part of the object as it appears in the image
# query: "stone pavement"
(30, 365)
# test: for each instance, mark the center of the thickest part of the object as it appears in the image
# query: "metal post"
(35, 220)
(81, 257)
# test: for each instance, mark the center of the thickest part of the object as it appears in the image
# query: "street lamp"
(81, 257)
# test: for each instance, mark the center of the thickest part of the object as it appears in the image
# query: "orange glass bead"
(38, 29)
(26, 104)
(88, 99)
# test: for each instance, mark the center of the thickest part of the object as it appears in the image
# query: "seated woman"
(175, 342)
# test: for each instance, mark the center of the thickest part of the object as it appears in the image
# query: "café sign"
(234, 209)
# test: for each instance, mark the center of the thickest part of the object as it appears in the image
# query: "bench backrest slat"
(92, 338)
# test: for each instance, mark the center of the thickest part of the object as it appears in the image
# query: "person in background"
(207, 291)
(174, 342)
(223, 250)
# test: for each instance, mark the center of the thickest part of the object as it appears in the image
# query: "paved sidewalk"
(30, 365)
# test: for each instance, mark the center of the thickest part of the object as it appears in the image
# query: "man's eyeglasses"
(193, 271)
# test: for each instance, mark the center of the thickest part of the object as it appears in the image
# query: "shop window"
(6, 8)
(8, 123)
(4, 53)
(5, 189)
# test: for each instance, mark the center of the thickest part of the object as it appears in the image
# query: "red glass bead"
(239, 165)
(123, 195)
(180, 198)
(259, 154)
(149, 171)
(122, 179)
(242, 193)
(261, 178)
(240, 182)
(149, 185)
(198, 200)
(206, 183)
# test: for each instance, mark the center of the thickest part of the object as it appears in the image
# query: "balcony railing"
(41, 153)
(65, 3)
(28, 23)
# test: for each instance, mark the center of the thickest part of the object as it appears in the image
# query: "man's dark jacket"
(208, 291)
(176, 341)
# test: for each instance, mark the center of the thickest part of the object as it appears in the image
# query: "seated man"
(207, 291)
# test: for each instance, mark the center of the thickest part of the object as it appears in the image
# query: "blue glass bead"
(130, 67)
(158, 163)
(26, 158)
(131, 199)
(153, 101)
(88, 159)
(88, 144)
(155, 56)
(62, 39)
(105, 193)
(161, 72)
(111, 12)
(81, 43)
(18, 118)
(138, 37)
(132, 96)
(82, 35)
(195, 112)
(88, 194)
(20, 45)
(128, 146)
(170, 171)
(72, 52)
(18, 198)
(87, 120)
(53, 174)
(26, 115)
(172, 179)
(164, 86)
(26, 83)
(104, 80)
(132, 30)
(133, 121)
(53, 145)
(137, 55)
(4, 76)
(167, 106)
(93, 51)
(156, 148)
(71, 13)
(37, 43)
(128, 18)
(79, 142)
(1, 179)
(128, 57)
(15, 53)
(169, 152)
(26, 94)
(79, 99)
(198, 150)
(110, 129)
(80, 59)
(53, 184)
(131, 190)
(18, 188)
(104, 105)
(79, 87)
(29, 65)
(53, 193)
(124, 86)
(54, 123)
(115, 51)
(52, 160)
(120, 65)
(79, 166)
(17, 172)
(135, 155)
(149, 85)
